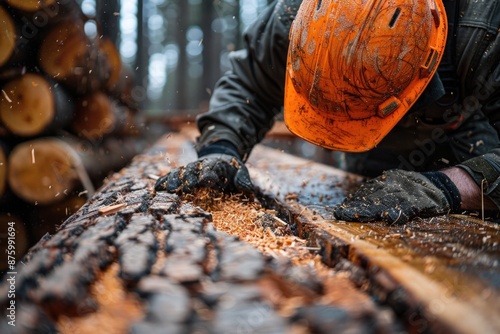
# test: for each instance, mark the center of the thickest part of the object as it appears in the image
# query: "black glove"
(398, 196)
(218, 167)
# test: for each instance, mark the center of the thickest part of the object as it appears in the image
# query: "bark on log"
(47, 170)
(68, 55)
(31, 105)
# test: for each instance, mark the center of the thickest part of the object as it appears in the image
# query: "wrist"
(448, 188)
(470, 192)
(219, 147)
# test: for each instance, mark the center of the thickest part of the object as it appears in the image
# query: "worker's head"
(355, 67)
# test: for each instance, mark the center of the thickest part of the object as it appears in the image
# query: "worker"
(409, 89)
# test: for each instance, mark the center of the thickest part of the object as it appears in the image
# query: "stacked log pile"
(133, 260)
(67, 118)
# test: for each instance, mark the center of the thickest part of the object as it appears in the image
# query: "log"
(280, 264)
(8, 36)
(47, 170)
(31, 105)
(30, 5)
(132, 260)
(68, 55)
(42, 171)
(98, 116)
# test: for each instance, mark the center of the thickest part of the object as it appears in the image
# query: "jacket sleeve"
(485, 168)
(479, 47)
(248, 97)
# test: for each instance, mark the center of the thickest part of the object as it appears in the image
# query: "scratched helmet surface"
(355, 67)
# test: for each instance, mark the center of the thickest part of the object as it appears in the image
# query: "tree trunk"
(31, 105)
(182, 78)
(109, 20)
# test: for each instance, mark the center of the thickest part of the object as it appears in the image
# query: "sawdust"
(250, 222)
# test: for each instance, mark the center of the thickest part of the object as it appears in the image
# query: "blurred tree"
(107, 12)
(176, 48)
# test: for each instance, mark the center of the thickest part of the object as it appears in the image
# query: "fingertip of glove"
(394, 215)
(243, 182)
(161, 183)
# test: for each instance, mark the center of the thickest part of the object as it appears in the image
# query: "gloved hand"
(222, 172)
(398, 196)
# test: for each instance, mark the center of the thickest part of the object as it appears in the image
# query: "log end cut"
(27, 105)
(7, 36)
(63, 50)
(30, 5)
(94, 116)
(42, 171)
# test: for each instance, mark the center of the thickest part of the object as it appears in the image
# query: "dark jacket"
(439, 130)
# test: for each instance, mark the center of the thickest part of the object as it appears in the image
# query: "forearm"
(470, 192)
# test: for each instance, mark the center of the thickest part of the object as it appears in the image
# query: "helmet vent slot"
(395, 17)
(430, 58)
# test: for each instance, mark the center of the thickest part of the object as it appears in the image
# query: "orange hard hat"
(355, 67)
